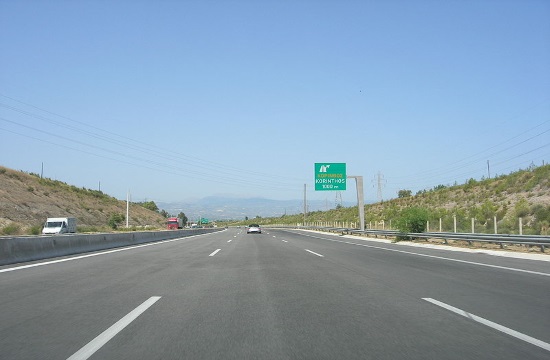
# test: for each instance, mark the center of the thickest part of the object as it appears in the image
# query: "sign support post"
(360, 200)
(305, 205)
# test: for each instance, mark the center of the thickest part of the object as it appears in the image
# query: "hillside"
(523, 194)
(26, 201)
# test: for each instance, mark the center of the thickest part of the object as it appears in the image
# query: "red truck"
(174, 223)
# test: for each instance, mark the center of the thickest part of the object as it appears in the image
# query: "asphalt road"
(277, 295)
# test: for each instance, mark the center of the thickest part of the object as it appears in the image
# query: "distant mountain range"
(228, 208)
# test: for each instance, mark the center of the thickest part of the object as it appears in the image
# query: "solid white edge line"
(508, 331)
(96, 254)
(215, 252)
(314, 253)
(432, 256)
(96, 344)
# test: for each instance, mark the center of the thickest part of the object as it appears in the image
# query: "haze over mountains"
(233, 208)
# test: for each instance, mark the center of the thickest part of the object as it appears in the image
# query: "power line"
(497, 158)
(174, 162)
(130, 143)
(174, 172)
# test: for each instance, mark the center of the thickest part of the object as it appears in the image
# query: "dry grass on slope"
(26, 201)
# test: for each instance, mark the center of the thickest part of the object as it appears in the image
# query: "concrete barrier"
(21, 249)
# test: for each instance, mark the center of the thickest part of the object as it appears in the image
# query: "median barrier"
(21, 249)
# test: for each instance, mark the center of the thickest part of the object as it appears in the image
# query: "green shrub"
(521, 208)
(11, 229)
(541, 212)
(35, 230)
(412, 220)
(115, 220)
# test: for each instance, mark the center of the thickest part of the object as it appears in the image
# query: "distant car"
(254, 228)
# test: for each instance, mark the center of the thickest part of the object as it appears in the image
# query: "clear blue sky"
(186, 99)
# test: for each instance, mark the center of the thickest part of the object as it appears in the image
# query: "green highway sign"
(330, 176)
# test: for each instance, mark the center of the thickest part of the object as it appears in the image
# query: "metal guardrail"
(502, 239)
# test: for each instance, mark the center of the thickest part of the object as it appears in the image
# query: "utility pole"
(488, 169)
(360, 200)
(380, 181)
(127, 207)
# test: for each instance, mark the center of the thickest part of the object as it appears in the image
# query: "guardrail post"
(454, 222)
(440, 225)
(521, 226)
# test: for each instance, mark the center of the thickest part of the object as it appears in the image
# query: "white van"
(59, 225)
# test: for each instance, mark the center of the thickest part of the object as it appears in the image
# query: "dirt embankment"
(26, 201)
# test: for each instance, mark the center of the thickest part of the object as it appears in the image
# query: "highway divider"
(21, 249)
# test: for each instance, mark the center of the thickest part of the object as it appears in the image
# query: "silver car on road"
(253, 229)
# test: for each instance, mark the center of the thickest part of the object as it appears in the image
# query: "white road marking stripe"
(96, 344)
(432, 256)
(314, 253)
(229, 241)
(214, 253)
(284, 241)
(96, 254)
(491, 324)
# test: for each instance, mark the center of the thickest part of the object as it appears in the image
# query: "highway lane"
(230, 295)
(510, 291)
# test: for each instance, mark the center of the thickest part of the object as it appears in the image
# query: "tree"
(404, 193)
(488, 210)
(521, 208)
(164, 213)
(470, 183)
(183, 218)
(115, 220)
(150, 205)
